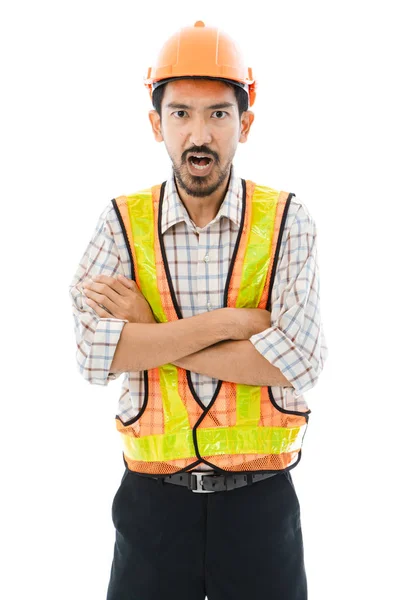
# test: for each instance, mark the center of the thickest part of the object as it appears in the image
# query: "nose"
(200, 133)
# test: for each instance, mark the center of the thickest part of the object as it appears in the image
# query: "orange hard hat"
(204, 52)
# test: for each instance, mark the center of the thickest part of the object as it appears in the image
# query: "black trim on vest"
(197, 462)
(278, 245)
(274, 267)
(222, 471)
(228, 280)
(284, 410)
(171, 289)
(145, 401)
(146, 373)
(179, 313)
(271, 283)
(185, 469)
(164, 254)
(239, 237)
(121, 222)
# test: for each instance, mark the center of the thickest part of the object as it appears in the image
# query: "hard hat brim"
(240, 84)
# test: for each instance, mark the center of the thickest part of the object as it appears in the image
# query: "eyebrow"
(213, 106)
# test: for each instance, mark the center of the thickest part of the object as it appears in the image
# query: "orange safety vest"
(243, 428)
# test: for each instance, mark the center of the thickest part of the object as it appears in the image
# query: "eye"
(220, 112)
(179, 112)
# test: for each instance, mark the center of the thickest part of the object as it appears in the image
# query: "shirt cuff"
(281, 352)
(104, 343)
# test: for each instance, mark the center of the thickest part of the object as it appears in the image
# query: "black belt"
(213, 482)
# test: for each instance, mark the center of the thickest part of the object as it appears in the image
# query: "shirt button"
(206, 258)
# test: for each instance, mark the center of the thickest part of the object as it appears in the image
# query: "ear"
(246, 122)
(155, 121)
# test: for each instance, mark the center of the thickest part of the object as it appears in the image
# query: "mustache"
(200, 150)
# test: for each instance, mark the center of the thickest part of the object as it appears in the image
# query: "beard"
(201, 186)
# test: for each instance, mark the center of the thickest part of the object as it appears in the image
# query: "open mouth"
(199, 162)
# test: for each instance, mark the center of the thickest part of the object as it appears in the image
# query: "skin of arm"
(143, 346)
(234, 361)
(214, 344)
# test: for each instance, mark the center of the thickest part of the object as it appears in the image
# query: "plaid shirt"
(199, 260)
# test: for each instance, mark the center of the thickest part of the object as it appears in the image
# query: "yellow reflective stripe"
(214, 441)
(248, 405)
(159, 447)
(254, 274)
(246, 437)
(258, 250)
(176, 418)
(140, 208)
(141, 215)
(249, 440)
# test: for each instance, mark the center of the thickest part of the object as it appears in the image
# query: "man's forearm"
(144, 346)
(234, 361)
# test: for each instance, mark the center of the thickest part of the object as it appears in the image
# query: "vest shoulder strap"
(120, 200)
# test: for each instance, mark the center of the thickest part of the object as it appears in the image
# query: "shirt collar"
(174, 211)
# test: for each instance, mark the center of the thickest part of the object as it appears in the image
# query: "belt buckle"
(199, 482)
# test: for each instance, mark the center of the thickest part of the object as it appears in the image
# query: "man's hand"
(119, 297)
(249, 321)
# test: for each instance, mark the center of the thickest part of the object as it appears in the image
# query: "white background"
(74, 134)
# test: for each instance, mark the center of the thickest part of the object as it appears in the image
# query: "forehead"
(198, 92)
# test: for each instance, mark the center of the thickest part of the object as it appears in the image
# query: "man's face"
(200, 118)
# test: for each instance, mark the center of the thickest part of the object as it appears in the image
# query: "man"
(204, 292)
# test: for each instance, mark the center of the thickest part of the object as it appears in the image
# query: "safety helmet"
(204, 52)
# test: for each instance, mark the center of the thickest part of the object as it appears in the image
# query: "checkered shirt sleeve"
(97, 338)
(295, 342)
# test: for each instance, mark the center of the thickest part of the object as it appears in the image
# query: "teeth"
(199, 156)
(200, 168)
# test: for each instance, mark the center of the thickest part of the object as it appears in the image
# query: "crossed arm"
(214, 344)
(236, 361)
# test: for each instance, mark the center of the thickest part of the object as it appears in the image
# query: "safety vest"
(243, 428)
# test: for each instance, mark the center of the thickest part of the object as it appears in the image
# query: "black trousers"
(175, 544)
